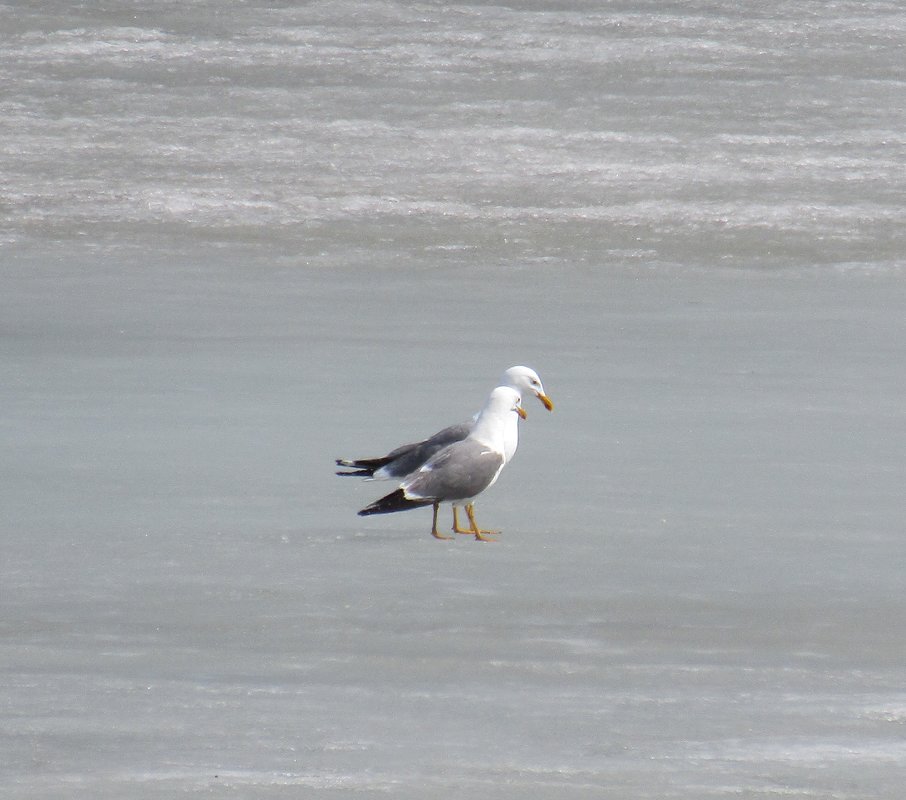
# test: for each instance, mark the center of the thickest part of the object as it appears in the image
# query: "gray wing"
(409, 457)
(459, 471)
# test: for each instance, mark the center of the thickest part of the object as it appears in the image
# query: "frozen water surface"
(239, 240)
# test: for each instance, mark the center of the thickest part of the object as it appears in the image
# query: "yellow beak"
(548, 403)
(521, 412)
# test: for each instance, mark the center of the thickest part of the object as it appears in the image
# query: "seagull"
(406, 459)
(461, 471)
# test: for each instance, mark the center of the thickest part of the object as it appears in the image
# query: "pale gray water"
(240, 240)
(633, 133)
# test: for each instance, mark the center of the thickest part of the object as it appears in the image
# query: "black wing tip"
(368, 465)
(361, 468)
(395, 501)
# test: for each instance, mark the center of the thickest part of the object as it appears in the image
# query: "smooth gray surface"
(689, 220)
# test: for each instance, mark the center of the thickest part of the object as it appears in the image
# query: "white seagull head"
(527, 382)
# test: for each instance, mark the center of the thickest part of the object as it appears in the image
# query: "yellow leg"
(469, 531)
(479, 533)
(434, 531)
(456, 527)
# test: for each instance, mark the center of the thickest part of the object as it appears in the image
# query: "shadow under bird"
(407, 458)
(461, 471)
